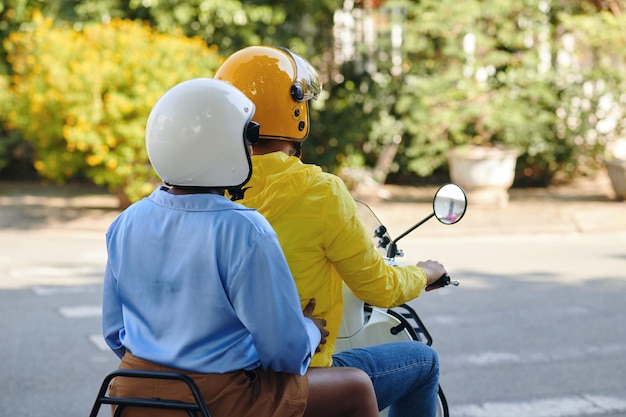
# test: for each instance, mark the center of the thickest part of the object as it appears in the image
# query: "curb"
(585, 206)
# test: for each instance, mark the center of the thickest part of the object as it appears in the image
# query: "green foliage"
(595, 115)
(232, 24)
(229, 24)
(475, 77)
(82, 97)
(488, 73)
(344, 121)
(470, 72)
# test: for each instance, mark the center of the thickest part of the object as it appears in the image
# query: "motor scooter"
(364, 325)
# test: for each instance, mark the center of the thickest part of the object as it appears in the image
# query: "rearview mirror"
(450, 203)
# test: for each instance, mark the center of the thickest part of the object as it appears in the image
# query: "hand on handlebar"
(434, 271)
(320, 323)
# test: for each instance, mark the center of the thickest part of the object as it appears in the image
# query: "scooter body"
(371, 327)
(377, 326)
(364, 325)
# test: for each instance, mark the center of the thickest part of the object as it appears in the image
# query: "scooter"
(365, 325)
(362, 324)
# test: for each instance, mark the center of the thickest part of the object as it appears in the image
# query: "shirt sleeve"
(266, 301)
(112, 318)
(351, 249)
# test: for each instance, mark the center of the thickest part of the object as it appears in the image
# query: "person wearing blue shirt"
(197, 283)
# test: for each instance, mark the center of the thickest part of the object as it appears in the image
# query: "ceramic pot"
(485, 173)
(616, 169)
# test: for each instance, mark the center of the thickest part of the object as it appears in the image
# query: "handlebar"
(442, 282)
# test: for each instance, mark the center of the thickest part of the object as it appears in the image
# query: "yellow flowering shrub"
(82, 97)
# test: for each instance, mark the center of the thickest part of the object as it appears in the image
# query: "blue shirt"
(199, 283)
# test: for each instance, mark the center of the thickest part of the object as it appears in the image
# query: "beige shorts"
(242, 393)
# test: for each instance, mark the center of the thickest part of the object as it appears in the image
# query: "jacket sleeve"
(359, 263)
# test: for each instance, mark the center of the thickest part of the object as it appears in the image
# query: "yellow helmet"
(280, 84)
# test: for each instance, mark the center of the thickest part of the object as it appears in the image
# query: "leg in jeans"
(405, 375)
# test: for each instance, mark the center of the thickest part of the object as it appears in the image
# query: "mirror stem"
(393, 248)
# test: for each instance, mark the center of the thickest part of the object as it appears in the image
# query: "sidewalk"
(585, 206)
(29, 206)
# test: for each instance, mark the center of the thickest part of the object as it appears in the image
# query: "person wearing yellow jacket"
(318, 226)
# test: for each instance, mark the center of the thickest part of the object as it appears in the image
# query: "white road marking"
(584, 405)
(74, 289)
(24, 277)
(53, 271)
(98, 341)
(77, 312)
(554, 312)
(488, 358)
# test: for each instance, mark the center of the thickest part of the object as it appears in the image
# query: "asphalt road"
(534, 330)
(53, 357)
(536, 327)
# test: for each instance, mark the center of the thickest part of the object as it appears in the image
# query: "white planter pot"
(485, 173)
(616, 169)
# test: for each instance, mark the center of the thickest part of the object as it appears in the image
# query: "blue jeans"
(405, 375)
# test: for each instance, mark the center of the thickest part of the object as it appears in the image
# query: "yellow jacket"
(324, 241)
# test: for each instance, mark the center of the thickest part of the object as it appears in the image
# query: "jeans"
(405, 375)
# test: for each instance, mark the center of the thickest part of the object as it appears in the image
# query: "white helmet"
(196, 135)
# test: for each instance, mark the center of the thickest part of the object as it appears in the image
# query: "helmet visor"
(308, 78)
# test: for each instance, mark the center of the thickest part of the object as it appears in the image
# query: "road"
(535, 329)
(53, 357)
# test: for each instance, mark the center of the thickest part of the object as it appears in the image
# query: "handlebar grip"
(441, 282)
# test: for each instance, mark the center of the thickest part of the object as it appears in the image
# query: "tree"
(484, 73)
(419, 75)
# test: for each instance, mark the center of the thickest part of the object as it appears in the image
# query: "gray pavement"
(554, 269)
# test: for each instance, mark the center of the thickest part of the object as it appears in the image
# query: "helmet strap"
(236, 193)
(298, 146)
(194, 189)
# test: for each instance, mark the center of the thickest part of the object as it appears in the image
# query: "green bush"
(474, 77)
(478, 74)
(82, 97)
(592, 117)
